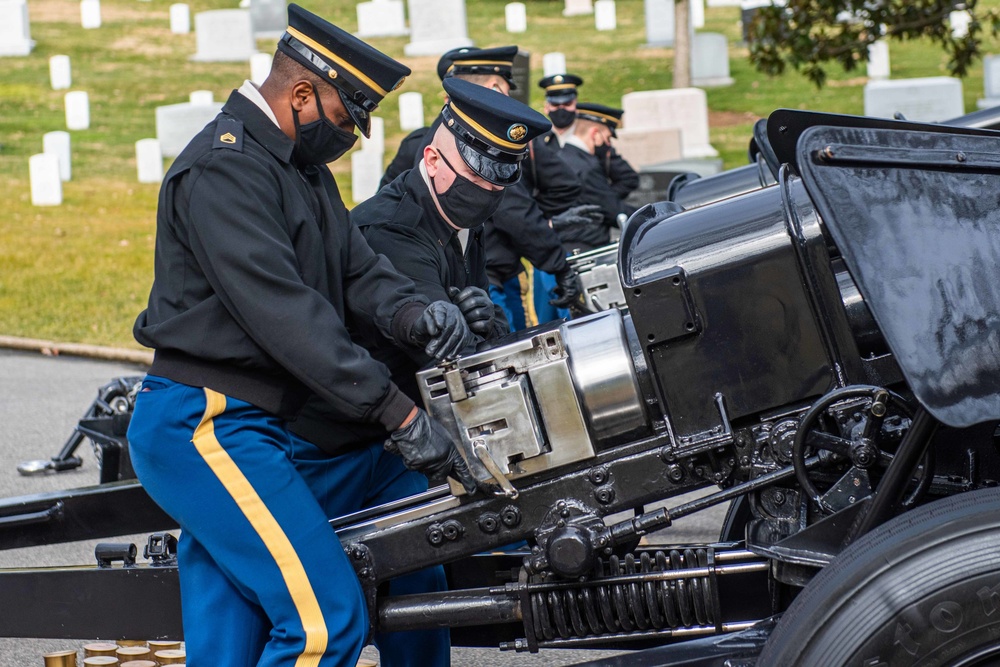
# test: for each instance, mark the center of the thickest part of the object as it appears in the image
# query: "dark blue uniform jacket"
(258, 273)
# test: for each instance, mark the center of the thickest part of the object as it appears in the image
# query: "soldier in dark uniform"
(521, 226)
(560, 106)
(428, 223)
(594, 127)
(491, 68)
(257, 269)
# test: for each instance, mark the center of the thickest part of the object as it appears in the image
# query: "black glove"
(426, 447)
(567, 290)
(582, 215)
(442, 331)
(476, 306)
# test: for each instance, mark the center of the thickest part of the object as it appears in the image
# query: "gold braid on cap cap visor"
(560, 86)
(480, 63)
(484, 132)
(322, 50)
(596, 116)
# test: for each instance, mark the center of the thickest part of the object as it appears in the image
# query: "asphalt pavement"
(41, 400)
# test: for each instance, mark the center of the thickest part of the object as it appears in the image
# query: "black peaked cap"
(491, 129)
(470, 60)
(361, 73)
(560, 88)
(599, 113)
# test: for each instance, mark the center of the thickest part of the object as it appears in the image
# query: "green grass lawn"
(80, 272)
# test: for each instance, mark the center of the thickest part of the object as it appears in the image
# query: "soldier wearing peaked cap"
(429, 224)
(490, 68)
(595, 126)
(258, 277)
(561, 91)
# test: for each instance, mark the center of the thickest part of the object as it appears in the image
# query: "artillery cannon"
(822, 355)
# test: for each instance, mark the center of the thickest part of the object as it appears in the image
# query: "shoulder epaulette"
(229, 134)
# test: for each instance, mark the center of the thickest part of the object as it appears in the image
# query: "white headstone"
(878, 60)
(960, 21)
(516, 15)
(553, 63)
(366, 172)
(925, 99)
(436, 26)
(697, 13)
(260, 67)
(90, 14)
(46, 188)
(411, 111)
(15, 31)
(578, 7)
(269, 18)
(176, 124)
(659, 22)
(376, 142)
(201, 97)
(180, 19)
(724, 3)
(645, 147)
(605, 17)
(991, 82)
(381, 18)
(223, 35)
(77, 110)
(681, 108)
(60, 74)
(148, 161)
(710, 60)
(57, 143)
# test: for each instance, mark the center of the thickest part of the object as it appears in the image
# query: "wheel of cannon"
(922, 589)
(853, 431)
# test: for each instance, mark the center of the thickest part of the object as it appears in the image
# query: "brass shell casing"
(60, 659)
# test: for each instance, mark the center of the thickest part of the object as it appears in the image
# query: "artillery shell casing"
(99, 648)
(126, 653)
(170, 657)
(60, 659)
(163, 645)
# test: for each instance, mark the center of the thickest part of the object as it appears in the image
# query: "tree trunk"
(682, 44)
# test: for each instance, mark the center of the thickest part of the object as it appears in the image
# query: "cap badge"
(558, 79)
(517, 132)
(227, 138)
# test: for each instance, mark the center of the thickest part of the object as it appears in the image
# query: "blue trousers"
(544, 284)
(264, 579)
(508, 297)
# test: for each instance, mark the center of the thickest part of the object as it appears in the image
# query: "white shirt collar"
(565, 133)
(249, 91)
(573, 140)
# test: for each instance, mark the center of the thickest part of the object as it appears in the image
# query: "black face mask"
(466, 204)
(562, 117)
(320, 141)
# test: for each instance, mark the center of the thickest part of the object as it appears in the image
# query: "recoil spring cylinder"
(689, 599)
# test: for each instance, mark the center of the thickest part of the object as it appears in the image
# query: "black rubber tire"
(922, 590)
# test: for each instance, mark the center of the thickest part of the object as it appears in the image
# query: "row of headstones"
(218, 31)
(176, 124)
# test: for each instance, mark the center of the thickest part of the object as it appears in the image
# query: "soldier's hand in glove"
(442, 331)
(582, 215)
(568, 290)
(476, 307)
(425, 446)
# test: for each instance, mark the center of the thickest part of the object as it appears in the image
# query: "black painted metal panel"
(785, 127)
(916, 216)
